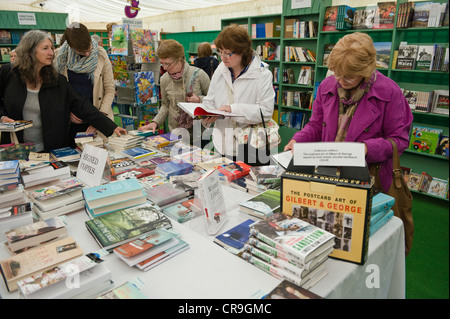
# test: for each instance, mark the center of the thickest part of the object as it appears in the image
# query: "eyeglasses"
(223, 54)
(346, 80)
(167, 65)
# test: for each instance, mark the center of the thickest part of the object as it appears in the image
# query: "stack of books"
(138, 172)
(94, 278)
(122, 226)
(35, 234)
(121, 164)
(167, 194)
(151, 250)
(36, 175)
(15, 126)
(107, 198)
(138, 154)
(381, 211)
(289, 249)
(57, 198)
(34, 261)
(162, 140)
(172, 168)
(9, 173)
(124, 142)
(262, 205)
(15, 210)
(65, 154)
(234, 170)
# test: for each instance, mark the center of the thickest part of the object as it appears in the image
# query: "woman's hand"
(120, 131)
(149, 127)
(91, 129)
(290, 145)
(192, 98)
(225, 108)
(209, 120)
(6, 119)
(75, 119)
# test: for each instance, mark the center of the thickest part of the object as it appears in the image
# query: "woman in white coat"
(241, 84)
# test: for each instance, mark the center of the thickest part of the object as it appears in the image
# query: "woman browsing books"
(33, 90)
(359, 104)
(241, 84)
(180, 83)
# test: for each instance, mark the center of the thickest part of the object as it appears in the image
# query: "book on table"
(235, 238)
(15, 126)
(42, 174)
(166, 194)
(8, 167)
(202, 110)
(116, 228)
(127, 290)
(138, 172)
(35, 234)
(60, 205)
(172, 168)
(56, 189)
(65, 154)
(262, 205)
(288, 290)
(164, 256)
(181, 212)
(36, 260)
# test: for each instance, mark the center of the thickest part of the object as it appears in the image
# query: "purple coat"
(382, 113)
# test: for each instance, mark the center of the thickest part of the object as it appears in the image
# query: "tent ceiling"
(113, 10)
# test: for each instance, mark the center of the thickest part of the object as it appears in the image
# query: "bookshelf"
(18, 22)
(103, 34)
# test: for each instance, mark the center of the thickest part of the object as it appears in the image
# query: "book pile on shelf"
(93, 279)
(107, 198)
(122, 226)
(124, 142)
(428, 139)
(151, 250)
(34, 261)
(432, 57)
(298, 54)
(267, 30)
(289, 249)
(343, 17)
(15, 209)
(295, 28)
(436, 101)
(302, 99)
(425, 183)
(293, 119)
(422, 14)
(269, 51)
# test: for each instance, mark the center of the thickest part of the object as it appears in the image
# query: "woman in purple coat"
(359, 104)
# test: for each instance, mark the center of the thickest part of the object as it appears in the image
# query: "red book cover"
(132, 173)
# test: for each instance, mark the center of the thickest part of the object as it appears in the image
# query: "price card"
(329, 154)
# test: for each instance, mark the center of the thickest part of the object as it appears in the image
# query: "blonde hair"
(170, 49)
(204, 50)
(353, 55)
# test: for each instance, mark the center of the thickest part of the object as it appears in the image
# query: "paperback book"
(262, 205)
(235, 238)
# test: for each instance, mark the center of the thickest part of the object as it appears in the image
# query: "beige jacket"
(104, 89)
(173, 92)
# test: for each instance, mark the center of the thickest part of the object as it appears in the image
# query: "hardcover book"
(165, 194)
(289, 290)
(329, 23)
(173, 168)
(145, 88)
(37, 260)
(8, 167)
(340, 204)
(137, 153)
(374, 227)
(65, 154)
(385, 15)
(421, 14)
(199, 110)
(293, 236)
(62, 187)
(234, 170)
(406, 58)
(364, 18)
(424, 139)
(438, 187)
(138, 172)
(262, 205)
(383, 54)
(116, 228)
(424, 57)
(235, 238)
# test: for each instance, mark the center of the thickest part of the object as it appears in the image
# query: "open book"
(199, 109)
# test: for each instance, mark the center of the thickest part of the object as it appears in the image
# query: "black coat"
(207, 64)
(56, 100)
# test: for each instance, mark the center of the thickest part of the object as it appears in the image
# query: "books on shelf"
(424, 139)
(329, 23)
(116, 228)
(305, 75)
(440, 102)
(326, 52)
(438, 187)
(344, 19)
(425, 182)
(32, 235)
(364, 18)
(262, 205)
(424, 57)
(421, 14)
(36, 260)
(383, 54)
(414, 181)
(385, 15)
(406, 58)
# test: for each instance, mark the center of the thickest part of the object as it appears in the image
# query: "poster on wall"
(298, 4)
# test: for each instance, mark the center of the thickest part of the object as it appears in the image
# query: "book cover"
(98, 196)
(234, 170)
(141, 41)
(411, 98)
(440, 102)
(157, 140)
(424, 139)
(438, 187)
(165, 194)
(65, 154)
(382, 202)
(173, 168)
(421, 14)
(62, 187)
(341, 205)
(364, 18)
(119, 41)
(414, 181)
(145, 88)
(8, 167)
(385, 15)
(180, 212)
(406, 58)
(329, 22)
(292, 236)
(41, 258)
(235, 238)
(289, 290)
(262, 205)
(326, 52)
(425, 182)
(138, 172)
(137, 153)
(113, 229)
(304, 77)
(442, 148)
(383, 54)
(424, 57)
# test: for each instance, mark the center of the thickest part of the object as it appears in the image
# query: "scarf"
(67, 57)
(347, 107)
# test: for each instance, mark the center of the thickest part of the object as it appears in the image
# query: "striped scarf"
(68, 57)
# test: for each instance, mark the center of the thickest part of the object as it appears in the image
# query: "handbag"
(403, 198)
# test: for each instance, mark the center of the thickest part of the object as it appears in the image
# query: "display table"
(208, 271)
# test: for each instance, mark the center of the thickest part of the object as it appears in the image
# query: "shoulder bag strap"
(397, 171)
